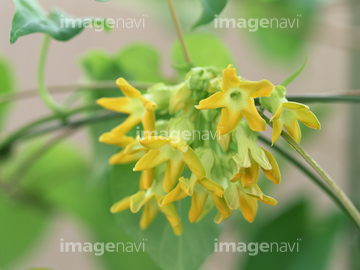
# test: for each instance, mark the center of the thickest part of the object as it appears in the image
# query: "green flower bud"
(181, 127)
(273, 102)
(160, 94)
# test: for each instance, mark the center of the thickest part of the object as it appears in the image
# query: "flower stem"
(346, 202)
(179, 31)
(42, 89)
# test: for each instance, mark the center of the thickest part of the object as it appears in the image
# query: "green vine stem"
(298, 164)
(179, 31)
(345, 201)
(42, 88)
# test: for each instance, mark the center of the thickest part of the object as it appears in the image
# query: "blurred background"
(328, 35)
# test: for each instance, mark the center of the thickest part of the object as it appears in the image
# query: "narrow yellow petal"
(138, 200)
(295, 106)
(273, 174)
(127, 89)
(178, 230)
(253, 118)
(211, 186)
(277, 129)
(187, 185)
(194, 163)
(237, 176)
(173, 171)
(175, 195)
(309, 119)
(229, 80)
(217, 100)
(248, 206)
(121, 205)
(171, 215)
(221, 205)
(122, 158)
(261, 88)
(198, 201)
(112, 138)
(150, 160)
(251, 175)
(278, 113)
(148, 121)
(146, 179)
(229, 121)
(120, 104)
(127, 125)
(148, 215)
(154, 142)
(294, 130)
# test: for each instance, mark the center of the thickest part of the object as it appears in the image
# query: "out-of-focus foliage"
(211, 8)
(6, 87)
(316, 239)
(205, 50)
(280, 43)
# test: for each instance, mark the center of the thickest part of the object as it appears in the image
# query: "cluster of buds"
(199, 139)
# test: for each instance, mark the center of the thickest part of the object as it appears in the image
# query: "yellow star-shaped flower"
(139, 108)
(236, 99)
(288, 115)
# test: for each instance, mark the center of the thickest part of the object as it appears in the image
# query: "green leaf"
(278, 43)
(141, 61)
(293, 76)
(313, 238)
(21, 226)
(30, 18)
(170, 252)
(6, 87)
(204, 50)
(211, 8)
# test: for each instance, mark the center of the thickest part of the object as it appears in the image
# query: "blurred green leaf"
(204, 50)
(30, 18)
(20, 228)
(211, 8)
(141, 62)
(169, 251)
(280, 43)
(315, 239)
(6, 87)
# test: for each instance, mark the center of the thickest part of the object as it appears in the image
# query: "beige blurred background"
(327, 71)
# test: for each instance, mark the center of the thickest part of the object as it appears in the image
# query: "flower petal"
(149, 214)
(277, 129)
(120, 104)
(217, 100)
(150, 160)
(274, 173)
(127, 89)
(230, 119)
(187, 185)
(197, 203)
(127, 125)
(112, 138)
(211, 186)
(148, 121)
(173, 217)
(250, 175)
(138, 200)
(173, 171)
(309, 119)
(122, 158)
(295, 106)
(175, 195)
(146, 179)
(221, 205)
(230, 79)
(194, 163)
(121, 205)
(248, 206)
(154, 142)
(253, 118)
(261, 88)
(294, 130)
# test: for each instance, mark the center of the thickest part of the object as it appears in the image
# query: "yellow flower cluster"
(221, 170)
